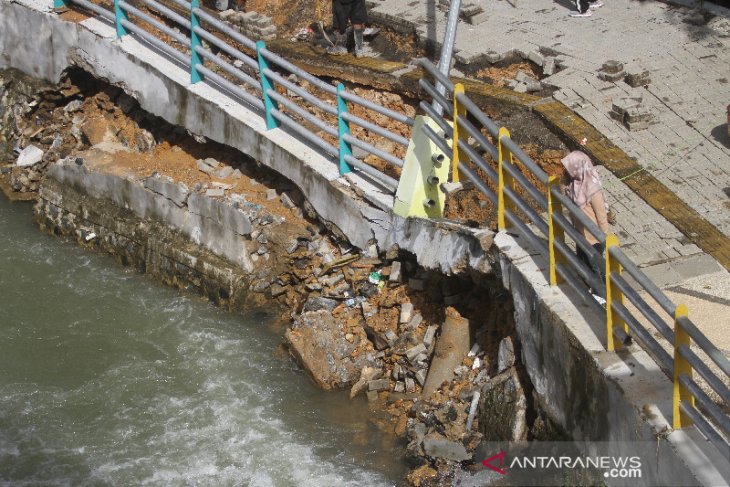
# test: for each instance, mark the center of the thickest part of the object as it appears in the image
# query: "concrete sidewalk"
(686, 146)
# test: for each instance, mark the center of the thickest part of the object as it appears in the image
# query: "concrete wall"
(591, 393)
(163, 88)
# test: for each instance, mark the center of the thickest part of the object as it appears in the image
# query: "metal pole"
(447, 49)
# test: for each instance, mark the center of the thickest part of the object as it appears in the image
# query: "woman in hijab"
(583, 186)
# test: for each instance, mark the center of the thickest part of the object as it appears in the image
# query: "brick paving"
(689, 67)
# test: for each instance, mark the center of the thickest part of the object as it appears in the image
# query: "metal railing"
(541, 212)
(259, 78)
(260, 72)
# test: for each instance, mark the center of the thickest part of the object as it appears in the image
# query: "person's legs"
(599, 269)
(339, 23)
(358, 16)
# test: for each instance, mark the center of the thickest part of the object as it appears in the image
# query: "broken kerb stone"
(536, 57)
(406, 312)
(212, 162)
(548, 67)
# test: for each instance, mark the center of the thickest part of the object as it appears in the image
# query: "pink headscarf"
(585, 180)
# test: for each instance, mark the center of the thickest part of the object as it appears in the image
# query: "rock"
(436, 446)
(400, 387)
(73, 106)
(29, 156)
(410, 385)
(422, 476)
(506, 354)
(276, 290)
(271, 194)
(319, 303)
(548, 67)
(503, 408)
(317, 343)
(415, 321)
(406, 312)
(421, 377)
(391, 337)
(367, 374)
(395, 272)
(212, 162)
(236, 174)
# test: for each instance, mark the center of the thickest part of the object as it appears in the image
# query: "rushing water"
(108, 378)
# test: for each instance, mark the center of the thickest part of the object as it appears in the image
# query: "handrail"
(564, 264)
(618, 317)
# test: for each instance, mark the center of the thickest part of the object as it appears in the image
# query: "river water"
(109, 378)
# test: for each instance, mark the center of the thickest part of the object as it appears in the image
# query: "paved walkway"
(687, 148)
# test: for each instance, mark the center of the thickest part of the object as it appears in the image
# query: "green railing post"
(120, 15)
(343, 127)
(196, 60)
(266, 85)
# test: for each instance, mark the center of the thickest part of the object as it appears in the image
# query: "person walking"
(585, 8)
(582, 185)
(344, 11)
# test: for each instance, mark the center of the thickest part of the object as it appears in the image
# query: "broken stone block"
(521, 76)
(477, 19)
(215, 192)
(270, 194)
(224, 172)
(204, 167)
(406, 312)
(395, 272)
(286, 201)
(421, 377)
(505, 355)
(212, 162)
(430, 335)
(367, 374)
(415, 321)
(436, 446)
(379, 385)
(612, 67)
(548, 67)
(521, 88)
(391, 337)
(276, 290)
(493, 57)
(400, 387)
(536, 57)
(503, 408)
(413, 352)
(410, 385)
(638, 79)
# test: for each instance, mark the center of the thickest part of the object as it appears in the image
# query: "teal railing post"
(343, 127)
(194, 42)
(59, 4)
(120, 15)
(266, 85)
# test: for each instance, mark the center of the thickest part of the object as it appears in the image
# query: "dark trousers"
(344, 10)
(595, 264)
(582, 5)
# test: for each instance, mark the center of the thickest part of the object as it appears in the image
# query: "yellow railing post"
(613, 293)
(681, 367)
(554, 231)
(505, 155)
(458, 154)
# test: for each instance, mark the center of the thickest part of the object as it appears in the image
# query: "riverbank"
(207, 219)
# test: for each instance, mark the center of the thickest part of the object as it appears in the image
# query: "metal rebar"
(376, 129)
(230, 50)
(372, 172)
(373, 150)
(307, 96)
(397, 116)
(209, 75)
(229, 68)
(303, 113)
